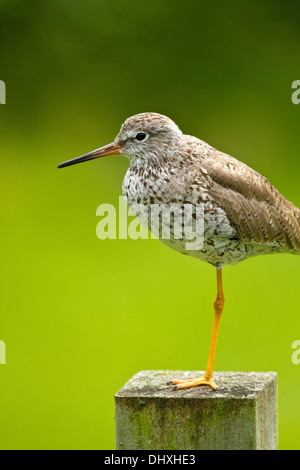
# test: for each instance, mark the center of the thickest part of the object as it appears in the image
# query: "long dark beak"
(110, 149)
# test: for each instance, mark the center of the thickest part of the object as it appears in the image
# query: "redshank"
(244, 214)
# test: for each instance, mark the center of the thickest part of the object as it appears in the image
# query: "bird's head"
(143, 136)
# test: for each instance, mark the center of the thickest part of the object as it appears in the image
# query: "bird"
(243, 214)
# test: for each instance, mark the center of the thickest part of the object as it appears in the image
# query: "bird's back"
(254, 207)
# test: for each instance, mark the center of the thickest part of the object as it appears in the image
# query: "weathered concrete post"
(242, 414)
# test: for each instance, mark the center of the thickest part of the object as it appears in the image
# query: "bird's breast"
(152, 187)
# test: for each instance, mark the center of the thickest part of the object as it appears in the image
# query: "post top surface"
(153, 384)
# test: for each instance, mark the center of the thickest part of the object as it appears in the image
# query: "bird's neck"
(155, 160)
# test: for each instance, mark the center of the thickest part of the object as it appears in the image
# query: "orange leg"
(207, 379)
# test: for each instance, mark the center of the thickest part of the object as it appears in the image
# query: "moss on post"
(242, 414)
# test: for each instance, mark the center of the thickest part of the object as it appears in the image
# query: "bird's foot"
(179, 384)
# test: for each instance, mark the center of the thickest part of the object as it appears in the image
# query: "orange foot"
(178, 384)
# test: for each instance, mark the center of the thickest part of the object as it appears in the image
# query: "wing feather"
(255, 208)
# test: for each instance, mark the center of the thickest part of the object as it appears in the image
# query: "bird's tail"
(297, 217)
(293, 227)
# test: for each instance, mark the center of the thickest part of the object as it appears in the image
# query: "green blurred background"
(80, 316)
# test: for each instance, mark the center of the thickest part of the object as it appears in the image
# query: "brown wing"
(255, 208)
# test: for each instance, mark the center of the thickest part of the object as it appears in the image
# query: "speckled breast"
(150, 187)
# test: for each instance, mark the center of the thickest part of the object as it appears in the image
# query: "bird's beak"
(110, 149)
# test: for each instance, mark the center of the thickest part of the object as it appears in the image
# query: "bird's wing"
(255, 208)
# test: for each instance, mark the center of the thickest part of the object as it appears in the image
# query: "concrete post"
(241, 414)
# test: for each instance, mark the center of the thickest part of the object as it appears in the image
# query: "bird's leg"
(207, 379)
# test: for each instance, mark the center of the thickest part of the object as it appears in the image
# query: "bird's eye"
(141, 136)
